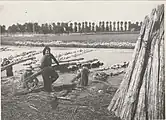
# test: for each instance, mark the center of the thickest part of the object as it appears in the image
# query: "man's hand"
(74, 79)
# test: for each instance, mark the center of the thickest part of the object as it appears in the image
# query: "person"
(48, 73)
(9, 70)
(83, 76)
(28, 72)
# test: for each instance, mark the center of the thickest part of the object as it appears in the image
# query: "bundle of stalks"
(141, 95)
(16, 62)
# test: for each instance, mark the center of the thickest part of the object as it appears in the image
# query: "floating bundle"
(101, 76)
(141, 95)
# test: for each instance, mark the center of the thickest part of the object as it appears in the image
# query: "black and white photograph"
(82, 60)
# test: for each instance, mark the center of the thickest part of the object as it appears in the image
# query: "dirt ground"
(88, 103)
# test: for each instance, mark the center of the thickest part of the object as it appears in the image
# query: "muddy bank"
(89, 103)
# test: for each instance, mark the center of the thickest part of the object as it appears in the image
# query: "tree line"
(75, 27)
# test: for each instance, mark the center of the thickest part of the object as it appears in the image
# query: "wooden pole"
(14, 63)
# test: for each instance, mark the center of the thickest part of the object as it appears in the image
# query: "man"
(83, 75)
(9, 70)
(49, 74)
(28, 72)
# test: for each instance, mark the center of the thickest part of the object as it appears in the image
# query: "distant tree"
(67, 27)
(9, 30)
(71, 27)
(83, 27)
(58, 27)
(118, 26)
(97, 28)
(103, 26)
(62, 25)
(110, 28)
(79, 27)
(75, 26)
(86, 26)
(107, 27)
(18, 29)
(93, 27)
(46, 28)
(50, 28)
(2, 29)
(13, 28)
(121, 24)
(21, 28)
(137, 23)
(114, 23)
(125, 26)
(140, 23)
(42, 31)
(37, 27)
(30, 27)
(90, 27)
(26, 27)
(100, 26)
(137, 26)
(54, 28)
(129, 26)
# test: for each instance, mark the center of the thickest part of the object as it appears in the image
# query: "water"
(108, 56)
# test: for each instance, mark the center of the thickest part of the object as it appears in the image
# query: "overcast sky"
(42, 12)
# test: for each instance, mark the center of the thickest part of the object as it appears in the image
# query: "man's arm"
(77, 77)
(52, 56)
(4, 63)
(43, 60)
(23, 76)
(36, 81)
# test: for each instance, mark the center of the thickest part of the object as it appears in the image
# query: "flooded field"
(107, 56)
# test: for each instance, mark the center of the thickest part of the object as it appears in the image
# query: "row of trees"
(84, 27)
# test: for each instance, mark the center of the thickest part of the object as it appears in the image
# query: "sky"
(55, 11)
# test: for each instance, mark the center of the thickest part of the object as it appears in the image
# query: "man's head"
(46, 50)
(5, 59)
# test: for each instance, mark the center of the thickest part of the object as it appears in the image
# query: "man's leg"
(9, 72)
(86, 81)
(54, 75)
(46, 80)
